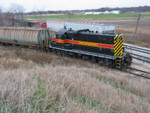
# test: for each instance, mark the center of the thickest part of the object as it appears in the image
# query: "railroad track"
(137, 48)
(137, 72)
(140, 57)
(139, 53)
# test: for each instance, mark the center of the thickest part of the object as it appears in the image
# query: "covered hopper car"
(25, 36)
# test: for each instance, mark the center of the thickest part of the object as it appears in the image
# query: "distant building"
(115, 12)
(106, 12)
(97, 13)
(92, 13)
(88, 13)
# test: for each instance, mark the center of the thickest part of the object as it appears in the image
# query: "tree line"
(14, 16)
(122, 10)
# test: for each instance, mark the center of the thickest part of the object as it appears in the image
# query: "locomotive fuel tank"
(25, 36)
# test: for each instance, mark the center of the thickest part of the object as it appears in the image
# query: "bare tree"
(1, 17)
(40, 12)
(10, 18)
(16, 8)
(34, 12)
(18, 11)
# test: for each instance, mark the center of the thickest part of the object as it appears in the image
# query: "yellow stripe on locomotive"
(118, 45)
(118, 50)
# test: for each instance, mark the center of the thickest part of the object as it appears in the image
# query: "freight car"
(106, 49)
(25, 36)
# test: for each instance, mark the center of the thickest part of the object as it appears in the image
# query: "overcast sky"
(45, 5)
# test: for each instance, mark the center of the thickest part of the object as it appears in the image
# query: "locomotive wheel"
(54, 51)
(101, 62)
(58, 52)
(93, 59)
(62, 53)
(79, 55)
(84, 57)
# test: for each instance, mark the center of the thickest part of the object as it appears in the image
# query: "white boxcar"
(95, 27)
(55, 25)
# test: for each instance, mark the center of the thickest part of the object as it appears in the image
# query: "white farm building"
(106, 12)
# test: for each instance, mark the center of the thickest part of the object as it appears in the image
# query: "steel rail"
(130, 69)
(139, 57)
(136, 47)
(138, 50)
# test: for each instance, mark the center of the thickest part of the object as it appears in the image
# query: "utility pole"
(70, 14)
(138, 19)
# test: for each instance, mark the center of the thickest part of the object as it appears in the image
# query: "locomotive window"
(64, 37)
(58, 36)
(70, 36)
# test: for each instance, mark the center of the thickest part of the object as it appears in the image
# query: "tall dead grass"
(121, 80)
(33, 81)
(49, 88)
(16, 57)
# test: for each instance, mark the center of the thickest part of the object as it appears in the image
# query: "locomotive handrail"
(83, 30)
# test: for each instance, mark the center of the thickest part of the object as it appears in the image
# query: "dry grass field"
(37, 82)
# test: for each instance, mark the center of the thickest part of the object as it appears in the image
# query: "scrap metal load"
(94, 27)
(25, 36)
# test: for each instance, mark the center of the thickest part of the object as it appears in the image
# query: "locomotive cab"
(58, 40)
(61, 40)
